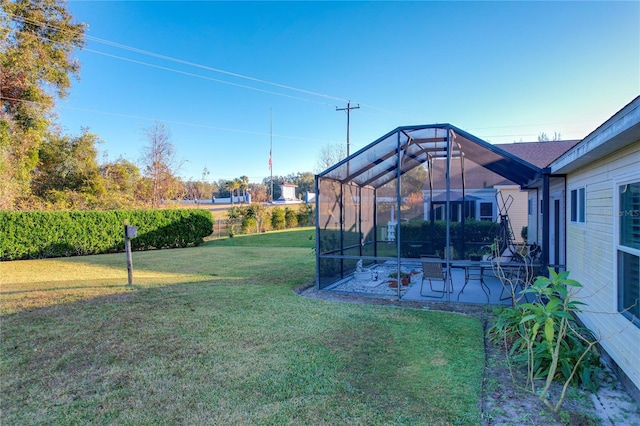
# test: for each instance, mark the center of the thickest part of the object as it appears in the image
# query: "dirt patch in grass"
(504, 401)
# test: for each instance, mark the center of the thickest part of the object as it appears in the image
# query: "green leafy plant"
(544, 335)
(515, 273)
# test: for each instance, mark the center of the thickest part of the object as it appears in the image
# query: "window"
(454, 212)
(486, 211)
(469, 209)
(578, 205)
(438, 211)
(629, 251)
(529, 206)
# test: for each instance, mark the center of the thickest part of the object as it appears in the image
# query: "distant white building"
(287, 194)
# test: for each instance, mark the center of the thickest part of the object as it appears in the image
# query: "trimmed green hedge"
(476, 235)
(40, 234)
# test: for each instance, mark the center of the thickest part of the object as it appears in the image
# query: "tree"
(223, 191)
(121, 179)
(543, 137)
(232, 186)
(278, 220)
(330, 154)
(243, 185)
(290, 218)
(259, 192)
(68, 163)
(205, 190)
(37, 40)
(160, 165)
(305, 181)
(414, 180)
(198, 190)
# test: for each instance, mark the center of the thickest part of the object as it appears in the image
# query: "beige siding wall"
(591, 255)
(518, 209)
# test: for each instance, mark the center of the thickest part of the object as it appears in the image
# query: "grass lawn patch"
(215, 335)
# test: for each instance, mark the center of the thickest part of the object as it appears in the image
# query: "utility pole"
(271, 152)
(348, 111)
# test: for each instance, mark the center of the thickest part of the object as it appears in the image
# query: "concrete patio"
(381, 280)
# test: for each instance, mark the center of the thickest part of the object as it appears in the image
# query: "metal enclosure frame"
(353, 194)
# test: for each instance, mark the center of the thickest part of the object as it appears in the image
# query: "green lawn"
(215, 335)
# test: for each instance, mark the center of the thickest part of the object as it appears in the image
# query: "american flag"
(270, 162)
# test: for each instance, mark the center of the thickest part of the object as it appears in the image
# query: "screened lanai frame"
(348, 227)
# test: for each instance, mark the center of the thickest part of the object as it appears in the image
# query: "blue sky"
(213, 71)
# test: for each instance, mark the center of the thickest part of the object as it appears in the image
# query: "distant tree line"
(257, 218)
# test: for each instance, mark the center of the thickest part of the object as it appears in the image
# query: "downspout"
(545, 218)
(563, 229)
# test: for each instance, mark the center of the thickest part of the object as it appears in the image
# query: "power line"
(205, 78)
(177, 60)
(208, 68)
(182, 123)
(233, 74)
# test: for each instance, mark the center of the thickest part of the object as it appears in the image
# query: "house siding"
(591, 259)
(517, 210)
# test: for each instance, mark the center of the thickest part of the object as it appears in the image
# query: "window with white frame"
(578, 205)
(628, 251)
(486, 211)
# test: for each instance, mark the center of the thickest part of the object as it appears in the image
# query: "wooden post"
(129, 232)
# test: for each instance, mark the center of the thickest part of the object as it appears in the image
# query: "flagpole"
(271, 149)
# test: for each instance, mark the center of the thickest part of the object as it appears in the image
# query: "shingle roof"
(540, 154)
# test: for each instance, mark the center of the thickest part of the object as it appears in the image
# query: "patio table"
(473, 265)
(481, 266)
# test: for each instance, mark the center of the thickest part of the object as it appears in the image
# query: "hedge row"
(476, 234)
(39, 234)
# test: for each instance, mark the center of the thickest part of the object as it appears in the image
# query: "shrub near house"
(433, 236)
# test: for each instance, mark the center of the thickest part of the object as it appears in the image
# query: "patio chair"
(432, 270)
